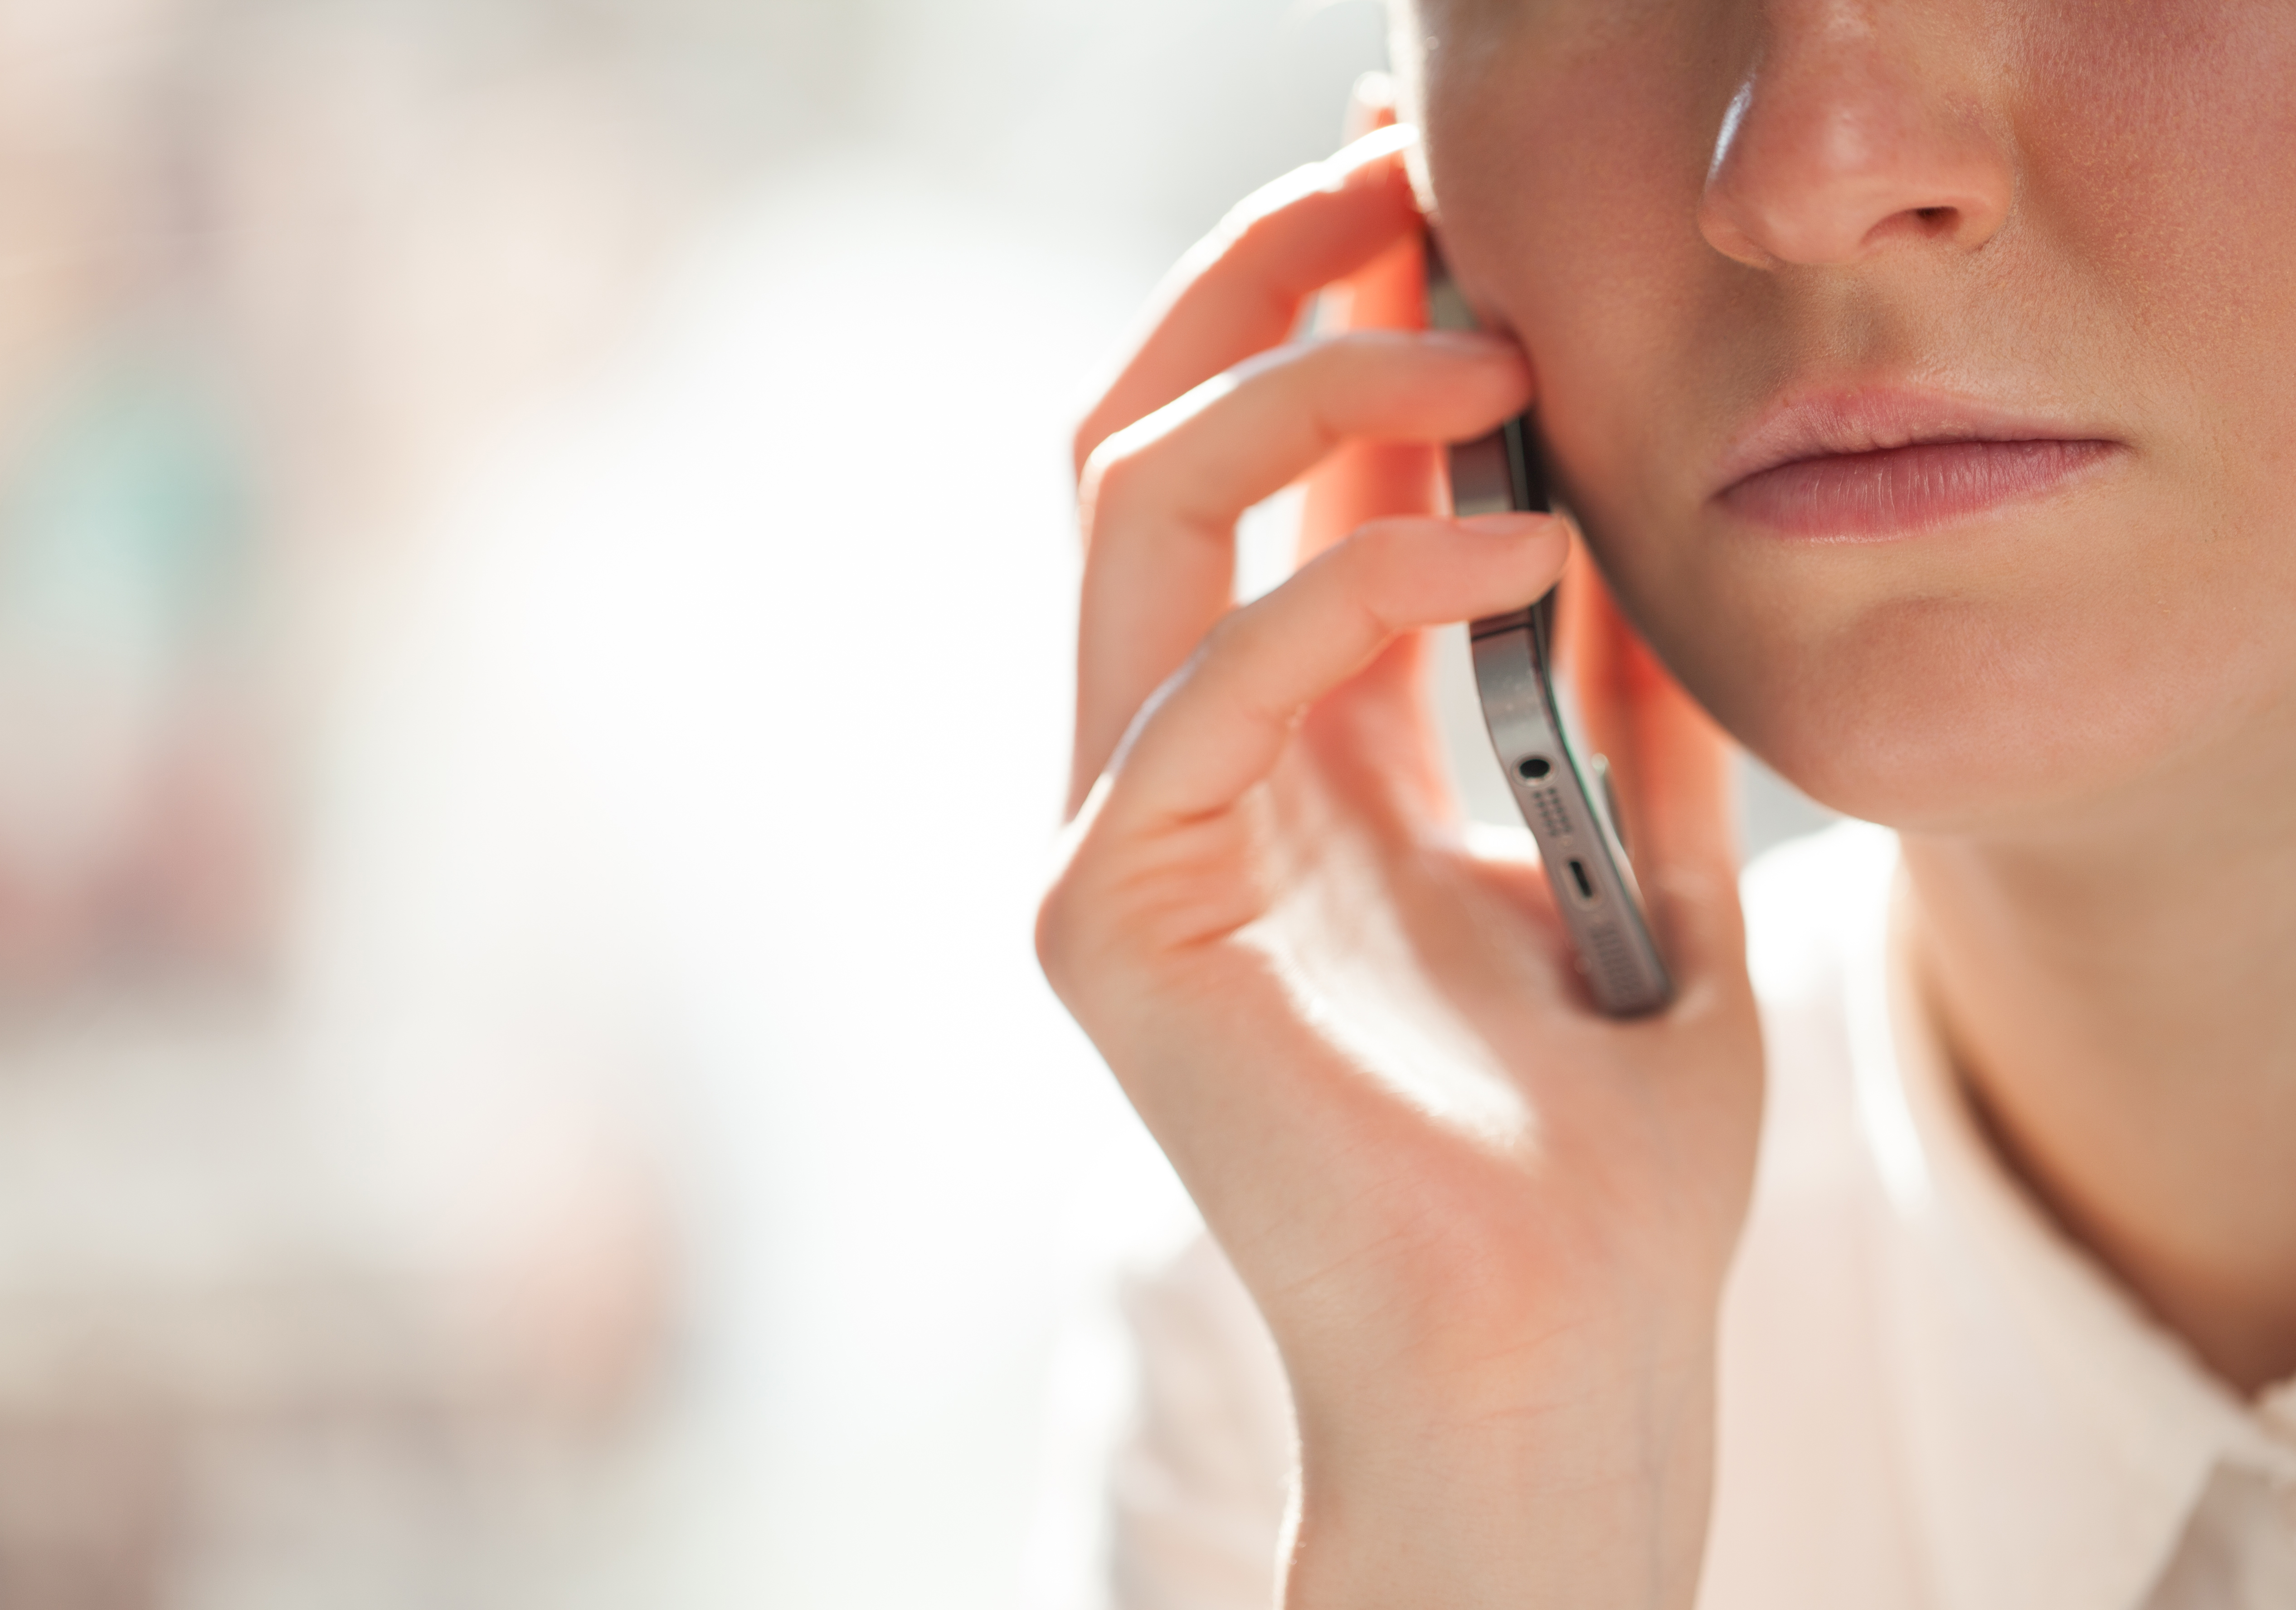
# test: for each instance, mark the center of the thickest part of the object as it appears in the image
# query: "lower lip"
(1866, 496)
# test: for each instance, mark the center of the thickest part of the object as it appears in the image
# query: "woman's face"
(1925, 371)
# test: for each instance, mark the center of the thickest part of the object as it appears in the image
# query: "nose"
(1848, 140)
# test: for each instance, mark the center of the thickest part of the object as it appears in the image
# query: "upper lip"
(1827, 425)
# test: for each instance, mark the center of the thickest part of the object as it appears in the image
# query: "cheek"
(2149, 275)
(1568, 163)
(2161, 148)
(1570, 166)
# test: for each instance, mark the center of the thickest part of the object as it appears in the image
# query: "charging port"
(1585, 883)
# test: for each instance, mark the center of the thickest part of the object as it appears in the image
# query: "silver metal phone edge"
(1608, 932)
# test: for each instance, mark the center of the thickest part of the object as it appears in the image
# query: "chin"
(2091, 658)
(1941, 718)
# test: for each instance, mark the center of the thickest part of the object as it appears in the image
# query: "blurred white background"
(534, 640)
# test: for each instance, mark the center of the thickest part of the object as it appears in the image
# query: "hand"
(1488, 1228)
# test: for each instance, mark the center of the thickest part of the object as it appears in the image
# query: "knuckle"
(1319, 373)
(1151, 476)
(1301, 378)
(1111, 465)
(1222, 640)
(1287, 363)
(1375, 547)
(1311, 366)
(1064, 925)
(1111, 475)
(1055, 934)
(1375, 574)
(1248, 226)
(1079, 937)
(1085, 439)
(1372, 556)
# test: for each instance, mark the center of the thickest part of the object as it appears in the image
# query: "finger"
(1224, 723)
(1388, 714)
(1676, 786)
(1388, 291)
(1245, 435)
(1161, 498)
(1241, 289)
(1368, 480)
(1373, 480)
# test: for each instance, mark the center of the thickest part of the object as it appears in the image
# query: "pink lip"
(1863, 466)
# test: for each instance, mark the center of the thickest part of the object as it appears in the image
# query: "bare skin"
(1918, 373)
(1496, 1304)
(2131, 1047)
(2077, 708)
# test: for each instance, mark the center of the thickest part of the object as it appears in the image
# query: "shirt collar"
(2056, 1437)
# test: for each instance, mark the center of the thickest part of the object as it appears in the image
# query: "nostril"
(1824, 158)
(1938, 223)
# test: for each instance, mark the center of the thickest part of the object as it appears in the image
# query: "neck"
(2117, 996)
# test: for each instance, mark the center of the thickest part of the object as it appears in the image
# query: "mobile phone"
(1575, 826)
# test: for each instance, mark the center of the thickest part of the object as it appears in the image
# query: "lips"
(1871, 465)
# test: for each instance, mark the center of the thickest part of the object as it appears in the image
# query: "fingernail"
(1508, 525)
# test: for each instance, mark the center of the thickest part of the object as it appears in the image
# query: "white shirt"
(1930, 1399)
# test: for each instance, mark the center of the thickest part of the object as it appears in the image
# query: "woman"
(1917, 372)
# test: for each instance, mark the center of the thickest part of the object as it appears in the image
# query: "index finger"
(1240, 291)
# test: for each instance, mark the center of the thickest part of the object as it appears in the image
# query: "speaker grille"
(1613, 959)
(1552, 818)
